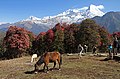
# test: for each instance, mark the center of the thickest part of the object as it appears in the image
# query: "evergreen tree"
(39, 44)
(70, 40)
(88, 34)
(105, 39)
(58, 43)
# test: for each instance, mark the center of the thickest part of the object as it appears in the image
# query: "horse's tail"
(60, 59)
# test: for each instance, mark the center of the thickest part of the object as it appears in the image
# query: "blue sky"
(16, 10)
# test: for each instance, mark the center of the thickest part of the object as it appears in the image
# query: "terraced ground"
(73, 67)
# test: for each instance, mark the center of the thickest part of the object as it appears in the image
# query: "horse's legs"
(54, 64)
(36, 68)
(45, 65)
(59, 64)
(47, 68)
(31, 59)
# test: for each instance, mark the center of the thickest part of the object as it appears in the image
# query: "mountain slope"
(37, 25)
(110, 20)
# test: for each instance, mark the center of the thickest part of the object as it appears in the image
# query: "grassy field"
(87, 67)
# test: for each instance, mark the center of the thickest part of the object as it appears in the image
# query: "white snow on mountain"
(2, 23)
(69, 16)
(95, 10)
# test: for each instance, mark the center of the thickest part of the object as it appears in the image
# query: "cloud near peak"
(100, 7)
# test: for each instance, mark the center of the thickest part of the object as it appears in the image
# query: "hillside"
(111, 21)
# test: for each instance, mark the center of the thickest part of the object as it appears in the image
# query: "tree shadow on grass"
(115, 58)
(106, 59)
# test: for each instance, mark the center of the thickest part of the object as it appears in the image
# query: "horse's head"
(38, 63)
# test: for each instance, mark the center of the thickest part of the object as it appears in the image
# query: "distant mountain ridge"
(111, 21)
(37, 25)
(69, 16)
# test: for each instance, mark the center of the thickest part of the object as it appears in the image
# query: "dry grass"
(88, 67)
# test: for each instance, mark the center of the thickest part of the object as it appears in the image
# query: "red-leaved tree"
(49, 39)
(17, 41)
(39, 43)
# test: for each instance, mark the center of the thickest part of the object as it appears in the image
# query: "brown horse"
(48, 57)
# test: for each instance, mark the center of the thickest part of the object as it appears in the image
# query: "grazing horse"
(34, 56)
(48, 57)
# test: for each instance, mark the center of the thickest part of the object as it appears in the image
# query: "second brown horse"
(48, 57)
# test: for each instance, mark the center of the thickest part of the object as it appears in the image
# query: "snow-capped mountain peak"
(32, 18)
(72, 15)
(69, 16)
(96, 10)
